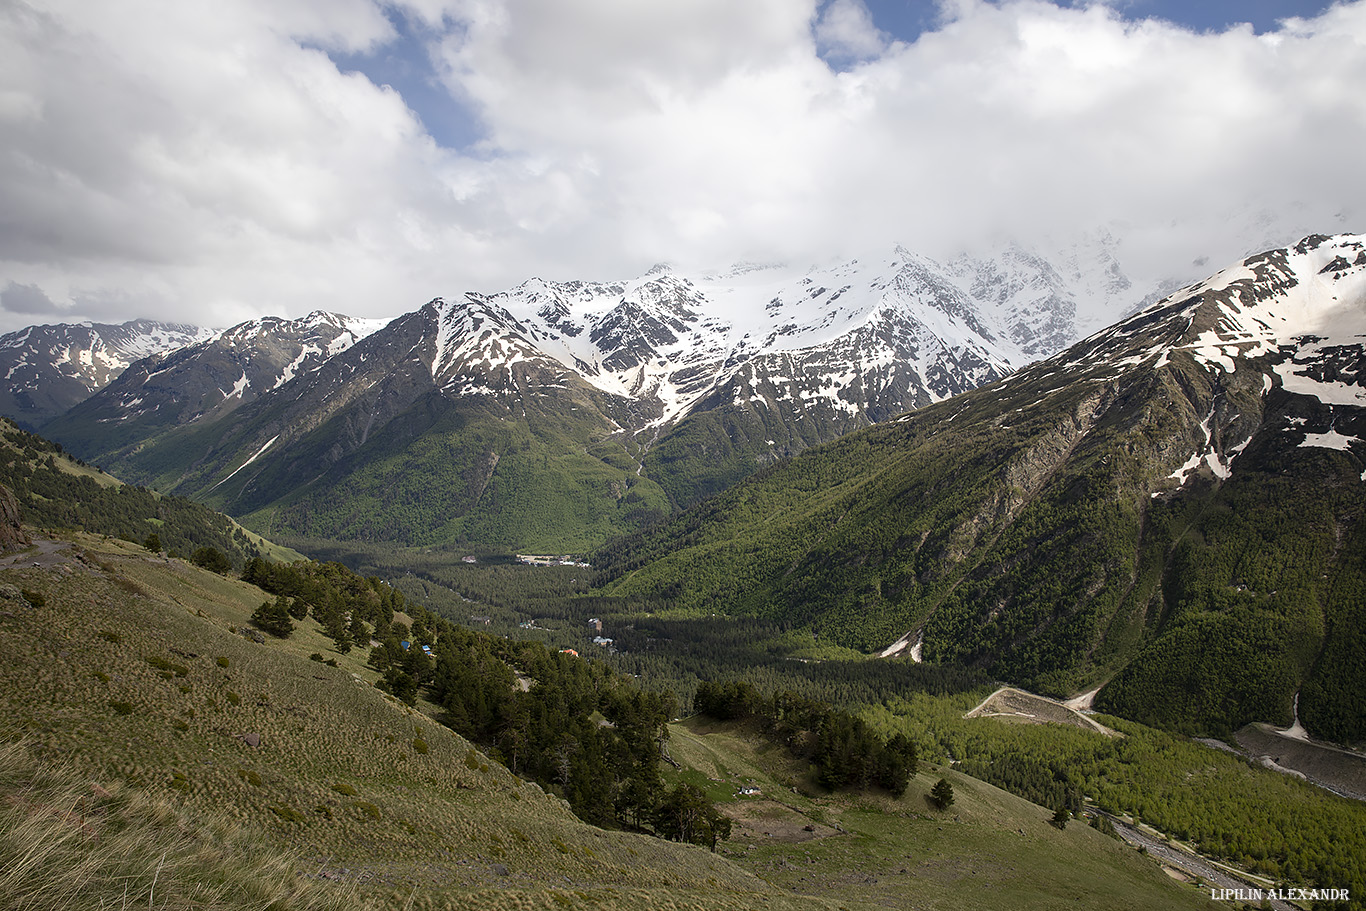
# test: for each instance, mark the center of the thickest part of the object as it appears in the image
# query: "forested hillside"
(203, 761)
(1056, 530)
(577, 728)
(56, 490)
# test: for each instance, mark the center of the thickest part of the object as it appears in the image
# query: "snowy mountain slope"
(208, 379)
(691, 382)
(670, 339)
(1175, 507)
(48, 369)
(1292, 318)
(666, 339)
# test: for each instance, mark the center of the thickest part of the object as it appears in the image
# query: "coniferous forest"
(85, 499)
(576, 727)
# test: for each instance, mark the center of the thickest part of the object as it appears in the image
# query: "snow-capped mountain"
(839, 336)
(671, 386)
(1292, 318)
(1170, 508)
(864, 339)
(48, 369)
(208, 379)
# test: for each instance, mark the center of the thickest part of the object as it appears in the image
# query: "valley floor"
(989, 849)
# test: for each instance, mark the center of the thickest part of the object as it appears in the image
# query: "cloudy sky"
(212, 160)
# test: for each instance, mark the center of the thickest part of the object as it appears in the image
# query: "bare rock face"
(12, 534)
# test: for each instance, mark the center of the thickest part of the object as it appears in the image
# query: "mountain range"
(49, 369)
(557, 414)
(208, 379)
(1092, 516)
(1171, 510)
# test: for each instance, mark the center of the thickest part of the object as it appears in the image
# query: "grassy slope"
(440, 828)
(45, 479)
(66, 844)
(989, 850)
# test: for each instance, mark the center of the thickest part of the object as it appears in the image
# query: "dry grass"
(423, 829)
(66, 843)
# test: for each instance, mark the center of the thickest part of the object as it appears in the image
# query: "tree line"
(52, 493)
(843, 749)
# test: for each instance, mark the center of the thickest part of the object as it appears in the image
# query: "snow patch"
(1328, 392)
(258, 452)
(1330, 440)
(903, 644)
(1207, 455)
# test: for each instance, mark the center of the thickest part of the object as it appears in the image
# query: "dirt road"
(1190, 864)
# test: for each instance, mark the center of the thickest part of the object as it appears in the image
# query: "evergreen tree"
(357, 630)
(212, 559)
(685, 814)
(336, 628)
(402, 686)
(941, 795)
(273, 617)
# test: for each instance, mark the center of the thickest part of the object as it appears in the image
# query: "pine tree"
(212, 559)
(357, 630)
(273, 617)
(941, 795)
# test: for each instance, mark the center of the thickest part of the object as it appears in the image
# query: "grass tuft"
(168, 669)
(67, 844)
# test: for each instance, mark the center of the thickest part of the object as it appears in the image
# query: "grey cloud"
(27, 299)
(209, 169)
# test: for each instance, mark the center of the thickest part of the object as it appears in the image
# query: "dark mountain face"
(203, 382)
(632, 398)
(442, 426)
(1173, 506)
(49, 369)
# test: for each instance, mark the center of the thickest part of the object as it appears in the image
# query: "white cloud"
(208, 162)
(845, 31)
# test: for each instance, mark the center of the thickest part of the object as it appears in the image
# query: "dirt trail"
(1014, 704)
(43, 552)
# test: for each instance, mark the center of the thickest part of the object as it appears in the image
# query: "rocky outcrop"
(12, 534)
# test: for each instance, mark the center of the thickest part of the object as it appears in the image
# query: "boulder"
(12, 534)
